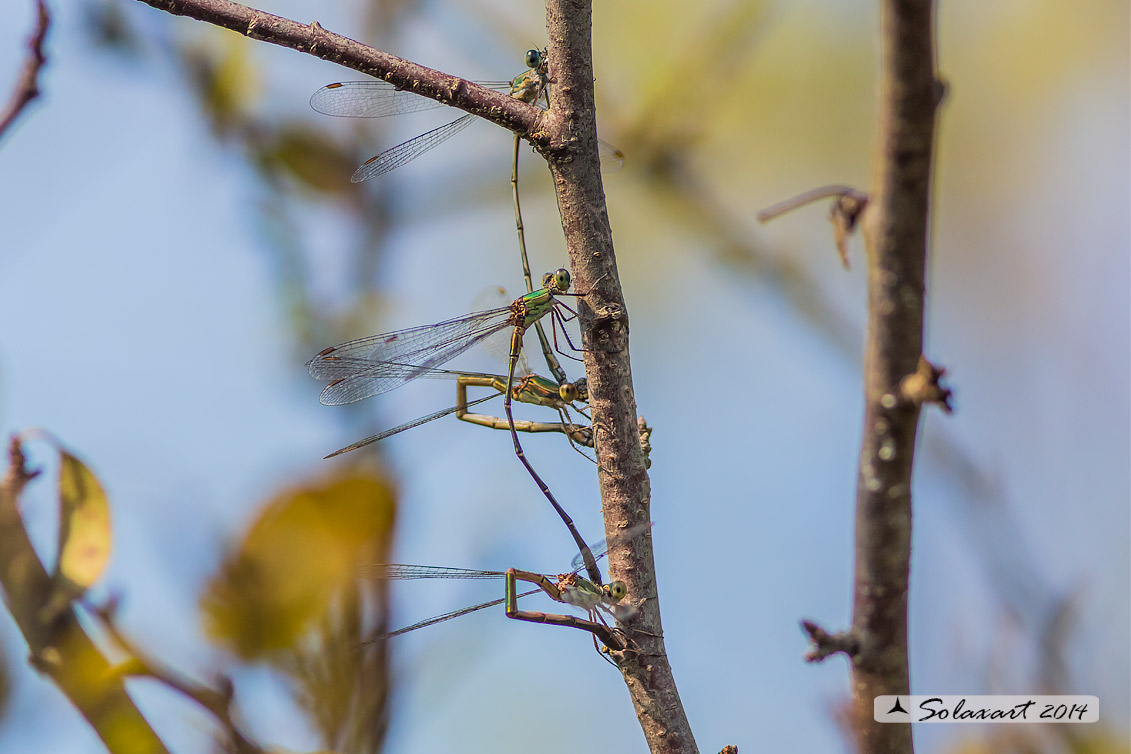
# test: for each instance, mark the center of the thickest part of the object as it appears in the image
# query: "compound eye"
(562, 279)
(568, 392)
(533, 58)
(617, 590)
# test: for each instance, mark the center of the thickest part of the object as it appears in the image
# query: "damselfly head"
(559, 280)
(573, 391)
(615, 591)
(534, 58)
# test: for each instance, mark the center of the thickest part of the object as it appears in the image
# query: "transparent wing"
(449, 616)
(406, 152)
(377, 99)
(376, 364)
(612, 159)
(601, 549)
(409, 425)
(400, 571)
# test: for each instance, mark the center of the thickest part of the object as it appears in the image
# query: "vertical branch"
(625, 492)
(895, 228)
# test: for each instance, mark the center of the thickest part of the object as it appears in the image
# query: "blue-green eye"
(562, 279)
(533, 58)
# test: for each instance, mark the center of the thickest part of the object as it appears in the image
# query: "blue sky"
(141, 326)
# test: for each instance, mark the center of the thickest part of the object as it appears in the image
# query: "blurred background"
(178, 235)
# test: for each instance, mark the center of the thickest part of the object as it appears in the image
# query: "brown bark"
(625, 490)
(895, 227)
(497, 107)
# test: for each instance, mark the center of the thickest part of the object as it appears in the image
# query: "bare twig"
(808, 197)
(498, 107)
(217, 701)
(60, 648)
(625, 490)
(27, 84)
(844, 213)
(925, 386)
(895, 228)
(826, 644)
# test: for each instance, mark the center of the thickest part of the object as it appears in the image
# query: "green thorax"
(581, 592)
(536, 304)
(530, 85)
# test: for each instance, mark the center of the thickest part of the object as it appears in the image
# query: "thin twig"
(844, 213)
(27, 84)
(895, 227)
(216, 701)
(808, 197)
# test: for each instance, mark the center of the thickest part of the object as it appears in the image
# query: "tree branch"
(27, 84)
(498, 107)
(566, 136)
(625, 489)
(895, 228)
(60, 648)
(217, 701)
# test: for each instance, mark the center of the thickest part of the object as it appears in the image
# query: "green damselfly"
(365, 367)
(530, 388)
(378, 99)
(570, 588)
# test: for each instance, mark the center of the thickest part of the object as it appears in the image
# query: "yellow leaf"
(306, 548)
(84, 525)
(311, 157)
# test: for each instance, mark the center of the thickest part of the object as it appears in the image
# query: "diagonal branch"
(27, 85)
(895, 229)
(312, 39)
(60, 648)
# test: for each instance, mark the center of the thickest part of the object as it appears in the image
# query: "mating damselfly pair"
(376, 364)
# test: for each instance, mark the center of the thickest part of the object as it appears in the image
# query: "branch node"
(924, 386)
(826, 644)
(47, 660)
(645, 440)
(844, 213)
(316, 30)
(608, 325)
(942, 88)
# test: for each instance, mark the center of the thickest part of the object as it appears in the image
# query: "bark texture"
(895, 227)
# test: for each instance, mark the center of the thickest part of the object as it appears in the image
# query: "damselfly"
(377, 99)
(570, 588)
(365, 367)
